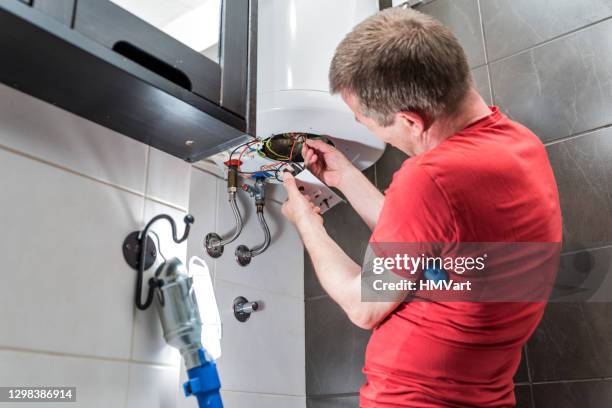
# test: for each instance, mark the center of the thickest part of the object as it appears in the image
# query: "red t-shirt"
(490, 182)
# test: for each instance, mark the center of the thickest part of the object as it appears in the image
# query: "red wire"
(245, 149)
(292, 147)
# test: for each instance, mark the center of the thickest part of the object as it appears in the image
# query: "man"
(473, 176)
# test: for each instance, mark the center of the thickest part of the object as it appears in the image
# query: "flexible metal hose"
(258, 250)
(237, 216)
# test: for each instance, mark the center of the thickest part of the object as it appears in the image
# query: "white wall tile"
(149, 344)
(65, 285)
(152, 386)
(279, 269)
(168, 178)
(241, 399)
(203, 204)
(57, 136)
(183, 401)
(99, 383)
(265, 354)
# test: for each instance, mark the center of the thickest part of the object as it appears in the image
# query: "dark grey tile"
(584, 276)
(561, 88)
(389, 163)
(523, 396)
(522, 376)
(583, 394)
(335, 350)
(462, 17)
(481, 81)
(333, 402)
(573, 341)
(583, 170)
(383, 4)
(370, 173)
(312, 287)
(348, 230)
(514, 25)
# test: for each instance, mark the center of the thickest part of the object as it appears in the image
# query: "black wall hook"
(140, 253)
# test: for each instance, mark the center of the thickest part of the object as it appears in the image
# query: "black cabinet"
(123, 32)
(100, 62)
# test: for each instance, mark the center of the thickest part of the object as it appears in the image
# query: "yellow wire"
(273, 152)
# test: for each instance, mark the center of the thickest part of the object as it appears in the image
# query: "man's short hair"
(401, 60)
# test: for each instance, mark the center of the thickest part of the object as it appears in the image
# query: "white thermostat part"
(322, 196)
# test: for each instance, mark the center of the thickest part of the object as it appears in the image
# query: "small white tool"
(209, 312)
(322, 196)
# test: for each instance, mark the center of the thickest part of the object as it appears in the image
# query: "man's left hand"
(299, 209)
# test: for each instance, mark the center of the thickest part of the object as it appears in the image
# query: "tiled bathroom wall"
(263, 359)
(547, 65)
(70, 191)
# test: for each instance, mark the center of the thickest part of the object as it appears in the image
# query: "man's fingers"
(307, 154)
(310, 157)
(313, 158)
(305, 151)
(290, 185)
(314, 207)
(319, 145)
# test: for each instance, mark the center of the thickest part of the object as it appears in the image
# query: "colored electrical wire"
(242, 145)
(283, 162)
(292, 147)
(278, 155)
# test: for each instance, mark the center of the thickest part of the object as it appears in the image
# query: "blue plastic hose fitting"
(204, 383)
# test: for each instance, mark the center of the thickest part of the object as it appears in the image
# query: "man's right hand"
(326, 163)
(334, 169)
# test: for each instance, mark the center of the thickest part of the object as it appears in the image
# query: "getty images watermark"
(434, 271)
(480, 272)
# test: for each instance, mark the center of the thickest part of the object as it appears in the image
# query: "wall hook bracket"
(131, 251)
(140, 253)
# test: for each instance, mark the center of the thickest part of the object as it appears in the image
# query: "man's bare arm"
(338, 274)
(363, 196)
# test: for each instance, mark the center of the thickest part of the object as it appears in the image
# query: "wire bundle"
(282, 163)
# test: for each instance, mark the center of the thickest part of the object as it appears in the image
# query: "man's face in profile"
(401, 134)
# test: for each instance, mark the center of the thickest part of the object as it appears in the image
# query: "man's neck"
(472, 109)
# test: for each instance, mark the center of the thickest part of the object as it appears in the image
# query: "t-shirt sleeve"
(416, 210)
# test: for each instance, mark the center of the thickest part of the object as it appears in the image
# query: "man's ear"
(412, 120)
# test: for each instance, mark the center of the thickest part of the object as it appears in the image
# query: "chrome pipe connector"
(243, 253)
(243, 308)
(213, 243)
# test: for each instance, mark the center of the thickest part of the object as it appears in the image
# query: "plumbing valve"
(243, 308)
(243, 253)
(213, 243)
(257, 191)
